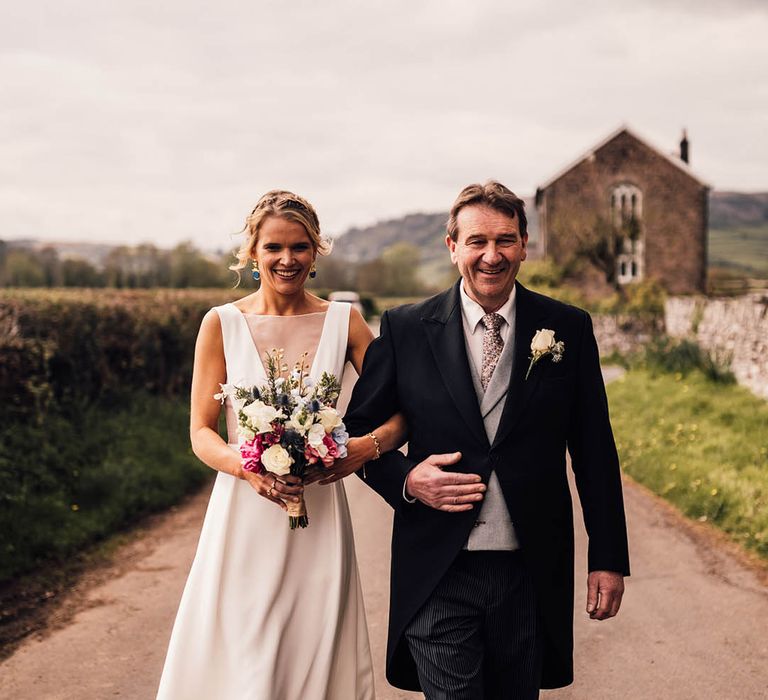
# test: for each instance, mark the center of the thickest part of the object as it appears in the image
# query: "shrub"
(643, 299)
(541, 273)
(683, 357)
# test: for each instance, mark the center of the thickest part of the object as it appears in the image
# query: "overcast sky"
(152, 120)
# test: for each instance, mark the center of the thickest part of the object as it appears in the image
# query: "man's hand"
(450, 491)
(604, 592)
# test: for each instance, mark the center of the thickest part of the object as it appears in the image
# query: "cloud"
(165, 121)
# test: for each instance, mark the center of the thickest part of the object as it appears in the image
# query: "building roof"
(677, 162)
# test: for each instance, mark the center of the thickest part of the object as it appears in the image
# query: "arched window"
(626, 215)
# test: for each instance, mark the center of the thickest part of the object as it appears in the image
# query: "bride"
(270, 613)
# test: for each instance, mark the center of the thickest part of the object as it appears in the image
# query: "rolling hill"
(738, 237)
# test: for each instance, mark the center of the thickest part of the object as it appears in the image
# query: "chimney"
(684, 156)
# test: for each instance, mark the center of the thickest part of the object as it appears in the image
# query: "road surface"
(694, 623)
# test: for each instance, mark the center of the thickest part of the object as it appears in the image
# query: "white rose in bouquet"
(329, 419)
(261, 416)
(277, 460)
(296, 423)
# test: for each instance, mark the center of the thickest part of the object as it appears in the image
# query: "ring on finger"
(274, 482)
(269, 491)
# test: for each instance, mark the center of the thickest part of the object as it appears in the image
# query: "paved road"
(694, 623)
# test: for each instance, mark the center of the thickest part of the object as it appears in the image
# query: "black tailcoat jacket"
(419, 366)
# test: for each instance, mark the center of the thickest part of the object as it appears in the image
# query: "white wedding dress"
(270, 613)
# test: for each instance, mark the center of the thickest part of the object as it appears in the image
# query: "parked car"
(347, 298)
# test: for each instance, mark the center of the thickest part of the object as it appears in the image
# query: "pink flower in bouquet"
(333, 451)
(311, 454)
(274, 437)
(251, 451)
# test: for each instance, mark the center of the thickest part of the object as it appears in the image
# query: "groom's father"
(482, 546)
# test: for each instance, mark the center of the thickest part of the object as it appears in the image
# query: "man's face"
(488, 251)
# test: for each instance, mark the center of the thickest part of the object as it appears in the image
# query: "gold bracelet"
(376, 443)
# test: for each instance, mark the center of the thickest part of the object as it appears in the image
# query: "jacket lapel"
(445, 332)
(528, 320)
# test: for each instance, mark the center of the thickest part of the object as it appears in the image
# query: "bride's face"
(285, 254)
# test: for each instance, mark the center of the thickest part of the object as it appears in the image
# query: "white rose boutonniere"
(543, 344)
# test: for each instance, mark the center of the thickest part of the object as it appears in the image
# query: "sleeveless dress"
(270, 613)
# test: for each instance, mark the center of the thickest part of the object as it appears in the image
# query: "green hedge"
(93, 414)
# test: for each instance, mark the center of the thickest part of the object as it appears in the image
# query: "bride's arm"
(388, 436)
(209, 371)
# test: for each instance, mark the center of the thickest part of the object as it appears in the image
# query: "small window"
(626, 215)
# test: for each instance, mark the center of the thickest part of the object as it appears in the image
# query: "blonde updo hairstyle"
(286, 205)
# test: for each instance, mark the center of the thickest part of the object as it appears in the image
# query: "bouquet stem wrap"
(297, 513)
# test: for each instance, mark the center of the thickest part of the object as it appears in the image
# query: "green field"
(743, 249)
(700, 444)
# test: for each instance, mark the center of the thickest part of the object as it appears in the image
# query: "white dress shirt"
(472, 315)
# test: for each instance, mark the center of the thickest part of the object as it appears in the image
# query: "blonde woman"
(271, 613)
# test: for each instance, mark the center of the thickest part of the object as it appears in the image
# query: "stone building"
(646, 208)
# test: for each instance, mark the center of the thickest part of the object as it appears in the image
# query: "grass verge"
(701, 444)
(80, 475)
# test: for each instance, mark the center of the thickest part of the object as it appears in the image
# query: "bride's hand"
(314, 472)
(277, 489)
(359, 451)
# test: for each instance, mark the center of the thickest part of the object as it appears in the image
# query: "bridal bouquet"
(289, 423)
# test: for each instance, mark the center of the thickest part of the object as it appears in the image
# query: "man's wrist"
(406, 497)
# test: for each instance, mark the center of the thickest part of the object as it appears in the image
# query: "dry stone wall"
(734, 330)
(622, 334)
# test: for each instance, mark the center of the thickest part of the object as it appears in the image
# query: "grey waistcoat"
(493, 527)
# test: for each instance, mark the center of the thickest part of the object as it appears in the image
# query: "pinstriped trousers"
(477, 637)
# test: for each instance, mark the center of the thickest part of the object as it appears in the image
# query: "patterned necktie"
(493, 344)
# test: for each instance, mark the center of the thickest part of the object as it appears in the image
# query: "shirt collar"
(473, 312)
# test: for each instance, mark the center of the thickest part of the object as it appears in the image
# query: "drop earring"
(256, 274)
(313, 271)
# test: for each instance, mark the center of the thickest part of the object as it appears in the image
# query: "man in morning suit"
(482, 545)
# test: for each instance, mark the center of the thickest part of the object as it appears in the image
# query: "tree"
(50, 264)
(394, 273)
(190, 268)
(3, 262)
(77, 272)
(333, 273)
(23, 270)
